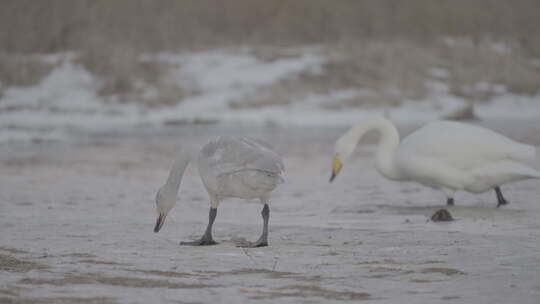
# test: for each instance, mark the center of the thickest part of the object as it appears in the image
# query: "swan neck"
(387, 145)
(172, 185)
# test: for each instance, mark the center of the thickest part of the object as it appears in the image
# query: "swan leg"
(450, 201)
(263, 239)
(206, 239)
(500, 198)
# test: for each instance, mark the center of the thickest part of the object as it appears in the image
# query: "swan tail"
(525, 153)
(529, 154)
(534, 173)
(526, 172)
(501, 173)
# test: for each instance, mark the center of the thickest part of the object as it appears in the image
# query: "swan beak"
(160, 221)
(336, 167)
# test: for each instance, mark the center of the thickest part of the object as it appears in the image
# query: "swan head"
(342, 150)
(164, 203)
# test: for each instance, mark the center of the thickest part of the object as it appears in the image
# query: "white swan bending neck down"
(229, 167)
(449, 156)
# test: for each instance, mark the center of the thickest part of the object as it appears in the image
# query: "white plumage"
(239, 167)
(449, 156)
(229, 167)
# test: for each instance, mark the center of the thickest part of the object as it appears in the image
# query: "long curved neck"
(388, 144)
(172, 185)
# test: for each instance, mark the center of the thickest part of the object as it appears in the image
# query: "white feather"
(450, 156)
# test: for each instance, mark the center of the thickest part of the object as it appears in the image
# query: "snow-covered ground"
(67, 98)
(76, 224)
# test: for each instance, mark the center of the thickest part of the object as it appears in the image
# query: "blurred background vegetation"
(377, 44)
(144, 25)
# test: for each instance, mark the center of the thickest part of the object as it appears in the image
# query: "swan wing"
(229, 154)
(504, 171)
(463, 146)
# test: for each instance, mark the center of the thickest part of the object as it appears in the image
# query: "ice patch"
(222, 78)
(65, 99)
(67, 87)
(510, 106)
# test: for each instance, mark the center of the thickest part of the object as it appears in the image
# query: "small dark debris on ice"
(442, 215)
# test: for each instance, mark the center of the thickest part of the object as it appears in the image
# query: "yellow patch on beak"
(336, 167)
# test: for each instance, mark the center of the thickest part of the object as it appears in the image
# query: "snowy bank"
(68, 99)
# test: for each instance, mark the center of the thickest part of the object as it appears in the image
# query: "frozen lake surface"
(76, 224)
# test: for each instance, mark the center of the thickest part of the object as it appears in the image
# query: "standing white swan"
(449, 156)
(229, 167)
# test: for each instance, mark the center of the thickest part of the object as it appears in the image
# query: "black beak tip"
(332, 177)
(158, 224)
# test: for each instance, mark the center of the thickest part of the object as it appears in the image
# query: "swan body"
(239, 167)
(229, 167)
(449, 156)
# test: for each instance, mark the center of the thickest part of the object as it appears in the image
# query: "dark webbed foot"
(502, 203)
(450, 202)
(263, 240)
(206, 239)
(200, 242)
(247, 244)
